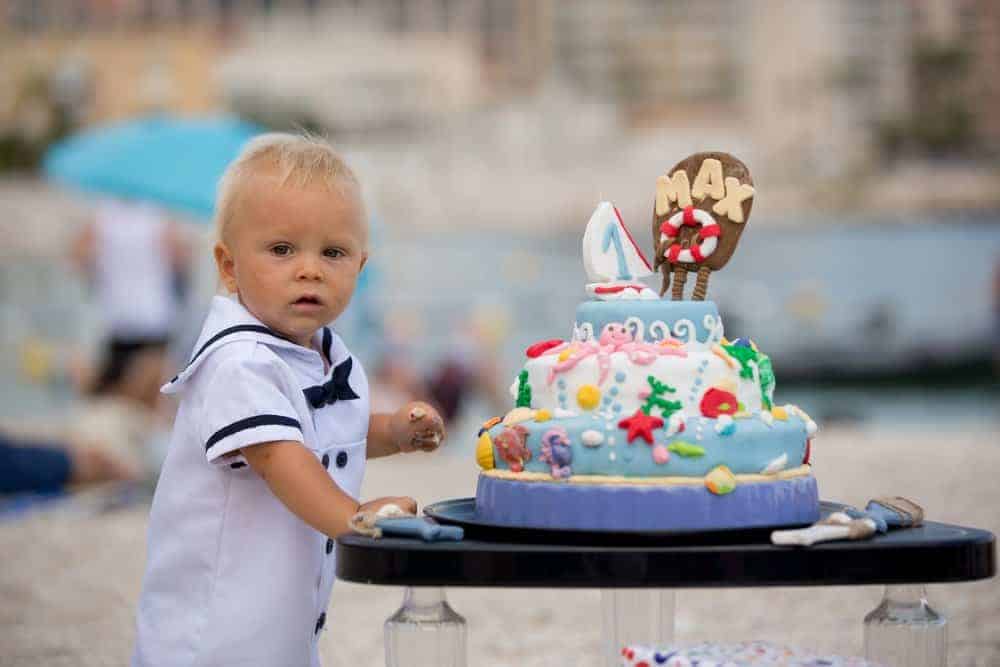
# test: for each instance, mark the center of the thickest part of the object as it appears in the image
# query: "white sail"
(610, 254)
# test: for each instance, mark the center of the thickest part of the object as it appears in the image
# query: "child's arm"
(300, 482)
(415, 426)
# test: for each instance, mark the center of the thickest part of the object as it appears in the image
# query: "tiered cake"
(648, 418)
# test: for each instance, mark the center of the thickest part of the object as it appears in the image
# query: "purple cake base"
(693, 508)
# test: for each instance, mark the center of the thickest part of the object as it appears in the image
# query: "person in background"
(29, 466)
(137, 261)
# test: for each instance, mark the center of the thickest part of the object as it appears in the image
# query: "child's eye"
(333, 252)
(281, 250)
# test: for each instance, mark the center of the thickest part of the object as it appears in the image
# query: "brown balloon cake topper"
(701, 208)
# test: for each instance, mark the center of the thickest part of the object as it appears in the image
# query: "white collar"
(229, 321)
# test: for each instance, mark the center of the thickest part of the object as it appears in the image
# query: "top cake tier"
(690, 322)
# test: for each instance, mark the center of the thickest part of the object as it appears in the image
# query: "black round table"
(931, 553)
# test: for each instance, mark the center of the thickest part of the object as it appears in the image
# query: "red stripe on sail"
(631, 240)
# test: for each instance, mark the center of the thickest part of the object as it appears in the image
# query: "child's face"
(293, 254)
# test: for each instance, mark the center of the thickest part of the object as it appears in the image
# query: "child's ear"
(226, 266)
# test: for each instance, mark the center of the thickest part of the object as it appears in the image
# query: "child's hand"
(405, 503)
(417, 426)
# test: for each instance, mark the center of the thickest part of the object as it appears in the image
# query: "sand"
(70, 580)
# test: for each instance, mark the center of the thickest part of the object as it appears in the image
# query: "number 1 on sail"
(612, 235)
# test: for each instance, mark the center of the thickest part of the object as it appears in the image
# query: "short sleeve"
(245, 403)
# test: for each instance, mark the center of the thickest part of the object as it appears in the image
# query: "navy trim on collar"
(327, 342)
(251, 422)
(257, 328)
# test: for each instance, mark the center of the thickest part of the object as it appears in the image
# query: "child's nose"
(309, 269)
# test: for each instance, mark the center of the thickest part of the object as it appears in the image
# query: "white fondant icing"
(681, 373)
(775, 465)
(592, 438)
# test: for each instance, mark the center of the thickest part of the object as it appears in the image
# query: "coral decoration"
(523, 390)
(655, 398)
(640, 425)
(718, 402)
(541, 347)
(512, 445)
(556, 451)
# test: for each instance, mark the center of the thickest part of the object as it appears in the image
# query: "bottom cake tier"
(529, 500)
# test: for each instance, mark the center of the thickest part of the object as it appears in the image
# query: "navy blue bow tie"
(336, 389)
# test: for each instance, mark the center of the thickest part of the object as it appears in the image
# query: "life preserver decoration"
(708, 235)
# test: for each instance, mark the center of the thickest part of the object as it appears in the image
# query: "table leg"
(425, 630)
(636, 616)
(904, 631)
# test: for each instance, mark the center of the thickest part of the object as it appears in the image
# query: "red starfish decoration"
(640, 424)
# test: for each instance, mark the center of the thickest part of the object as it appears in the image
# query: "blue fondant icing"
(600, 313)
(620, 376)
(567, 506)
(756, 445)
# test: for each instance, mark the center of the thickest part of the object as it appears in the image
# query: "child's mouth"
(308, 302)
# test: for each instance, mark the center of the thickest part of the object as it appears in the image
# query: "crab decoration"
(615, 337)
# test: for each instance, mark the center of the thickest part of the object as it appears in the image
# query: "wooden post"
(701, 284)
(680, 277)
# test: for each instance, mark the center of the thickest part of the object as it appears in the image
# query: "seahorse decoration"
(701, 208)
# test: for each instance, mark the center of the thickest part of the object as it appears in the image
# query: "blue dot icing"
(561, 384)
(620, 376)
(613, 391)
(617, 407)
(562, 397)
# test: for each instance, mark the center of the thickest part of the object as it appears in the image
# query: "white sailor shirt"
(232, 576)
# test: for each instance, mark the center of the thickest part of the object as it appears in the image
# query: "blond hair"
(296, 159)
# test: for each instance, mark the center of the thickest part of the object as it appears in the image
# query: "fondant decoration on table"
(700, 210)
(647, 417)
(879, 516)
(391, 521)
(612, 259)
(740, 654)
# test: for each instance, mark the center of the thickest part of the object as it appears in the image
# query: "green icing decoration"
(766, 380)
(749, 357)
(745, 356)
(523, 390)
(656, 400)
(686, 449)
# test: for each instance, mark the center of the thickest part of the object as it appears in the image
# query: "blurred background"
(484, 133)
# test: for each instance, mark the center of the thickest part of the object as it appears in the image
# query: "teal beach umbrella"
(172, 161)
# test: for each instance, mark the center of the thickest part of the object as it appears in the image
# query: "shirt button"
(320, 622)
(326, 460)
(329, 545)
(341, 459)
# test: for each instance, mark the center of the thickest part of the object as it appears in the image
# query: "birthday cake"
(648, 418)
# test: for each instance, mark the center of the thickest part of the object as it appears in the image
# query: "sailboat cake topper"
(701, 208)
(612, 259)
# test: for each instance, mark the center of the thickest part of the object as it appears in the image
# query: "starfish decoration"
(640, 425)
